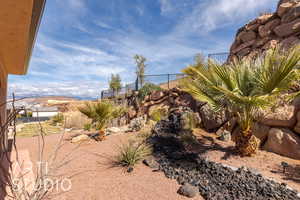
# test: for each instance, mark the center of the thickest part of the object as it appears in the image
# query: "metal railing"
(165, 81)
(220, 58)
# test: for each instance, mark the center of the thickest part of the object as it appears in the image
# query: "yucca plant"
(101, 113)
(132, 152)
(244, 88)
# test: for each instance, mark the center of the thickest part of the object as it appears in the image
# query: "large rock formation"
(268, 30)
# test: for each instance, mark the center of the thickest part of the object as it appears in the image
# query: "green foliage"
(115, 83)
(57, 119)
(243, 87)
(188, 139)
(199, 59)
(29, 114)
(119, 111)
(87, 127)
(158, 114)
(140, 68)
(147, 89)
(101, 112)
(189, 121)
(132, 152)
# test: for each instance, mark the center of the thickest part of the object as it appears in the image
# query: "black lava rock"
(214, 181)
(188, 190)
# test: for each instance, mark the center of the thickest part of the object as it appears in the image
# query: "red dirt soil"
(98, 180)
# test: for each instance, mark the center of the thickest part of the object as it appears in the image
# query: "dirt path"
(98, 180)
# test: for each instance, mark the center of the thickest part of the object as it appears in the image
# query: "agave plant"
(101, 113)
(244, 88)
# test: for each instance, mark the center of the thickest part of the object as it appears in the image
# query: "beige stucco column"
(3, 95)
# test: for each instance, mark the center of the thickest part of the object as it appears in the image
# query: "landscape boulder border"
(285, 116)
(215, 181)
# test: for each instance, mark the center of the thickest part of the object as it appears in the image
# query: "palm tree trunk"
(247, 144)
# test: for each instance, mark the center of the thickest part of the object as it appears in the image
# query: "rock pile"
(268, 30)
(286, 116)
(175, 98)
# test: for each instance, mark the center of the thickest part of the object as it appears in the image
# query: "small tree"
(115, 83)
(244, 87)
(199, 59)
(140, 68)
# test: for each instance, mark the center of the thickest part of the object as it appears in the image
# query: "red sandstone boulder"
(283, 8)
(291, 14)
(290, 42)
(283, 142)
(287, 29)
(267, 29)
(282, 117)
(297, 127)
(246, 36)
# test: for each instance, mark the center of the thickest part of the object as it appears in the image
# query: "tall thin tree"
(140, 68)
(115, 83)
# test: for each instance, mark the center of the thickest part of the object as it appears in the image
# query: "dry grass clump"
(132, 153)
(144, 134)
(75, 119)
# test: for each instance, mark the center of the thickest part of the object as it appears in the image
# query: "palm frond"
(276, 70)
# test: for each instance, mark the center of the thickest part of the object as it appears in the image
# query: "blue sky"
(81, 42)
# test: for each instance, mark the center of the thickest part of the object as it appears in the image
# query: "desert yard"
(94, 177)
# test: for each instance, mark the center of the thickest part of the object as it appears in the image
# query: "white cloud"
(69, 58)
(215, 14)
(165, 6)
(140, 10)
(102, 24)
(76, 4)
(85, 89)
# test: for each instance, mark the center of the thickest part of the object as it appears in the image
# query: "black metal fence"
(220, 58)
(165, 81)
(32, 119)
(123, 91)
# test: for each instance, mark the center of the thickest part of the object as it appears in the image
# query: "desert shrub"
(75, 119)
(101, 112)
(189, 121)
(119, 111)
(87, 127)
(144, 133)
(158, 114)
(132, 152)
(147, 89)
(57, 119)
(188, 139)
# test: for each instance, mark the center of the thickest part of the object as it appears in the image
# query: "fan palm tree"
(101, 113)
(244, 88)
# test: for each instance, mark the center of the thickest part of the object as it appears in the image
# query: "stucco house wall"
(3, 95)
(44, 114)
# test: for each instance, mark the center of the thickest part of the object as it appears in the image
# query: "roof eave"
(37, 13)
